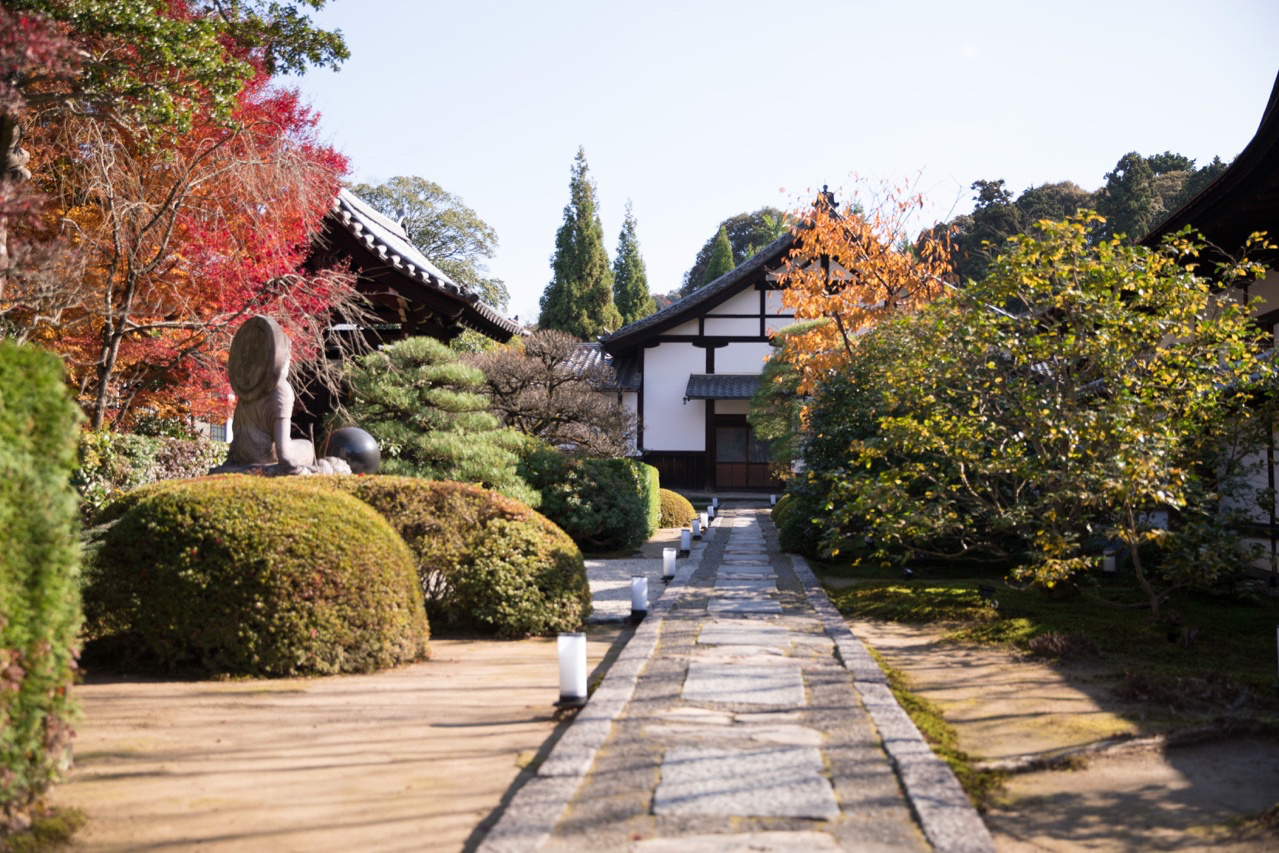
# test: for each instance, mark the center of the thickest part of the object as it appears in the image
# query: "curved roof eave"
(387, 240)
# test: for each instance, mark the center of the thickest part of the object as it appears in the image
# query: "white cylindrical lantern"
(668, 563)
(572, 652)
(697, 528)
(1108, 564)
(685, 541)
(639, 595)
(715, 502)
(705, 520)
(772, 500)
(710, 512)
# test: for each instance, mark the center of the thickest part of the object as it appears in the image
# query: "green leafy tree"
(747, 233)
(1071, 416)
(441, 226)
(431, 419)
(579, 299)
(630, 280)
(721, 261)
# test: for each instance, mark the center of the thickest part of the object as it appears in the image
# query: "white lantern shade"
(668, 562)
(639, 594)
(685, 540)
(697, 528)
(572, 654)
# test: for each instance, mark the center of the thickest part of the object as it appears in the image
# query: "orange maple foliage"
(852, 267)
(183, 236)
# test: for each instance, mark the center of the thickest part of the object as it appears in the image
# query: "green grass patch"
(981, 786)
(1228, 635)
(49, 831)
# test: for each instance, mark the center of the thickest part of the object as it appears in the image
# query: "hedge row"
(39, 601)
(603, 504)
(112, 463)
(254, 576)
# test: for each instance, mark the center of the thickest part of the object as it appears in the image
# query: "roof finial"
(826, 199)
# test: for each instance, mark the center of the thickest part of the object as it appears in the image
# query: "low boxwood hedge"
(486, 562)
(676, 510)
(254, 576)
(604, 504)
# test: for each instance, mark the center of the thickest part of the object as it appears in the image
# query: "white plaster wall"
(742, 358)
(773, 302)
(734, 326)
(669, 423)
(689, 328)
(746, 302)
(630, 402)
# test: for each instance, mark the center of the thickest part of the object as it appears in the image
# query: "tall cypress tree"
(721, 257)
(579, 299)
(630, 280)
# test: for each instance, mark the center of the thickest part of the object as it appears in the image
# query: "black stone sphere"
(356, 447)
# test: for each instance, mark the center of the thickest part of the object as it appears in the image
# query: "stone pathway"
(741, 716)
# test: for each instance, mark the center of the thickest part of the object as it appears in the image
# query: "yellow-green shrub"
(39, 597)
(255, 576)
(486, 562)
(676, 510)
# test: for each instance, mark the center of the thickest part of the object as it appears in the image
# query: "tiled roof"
(625, 371)
(703, 298)
(386, 239)
(721, 386)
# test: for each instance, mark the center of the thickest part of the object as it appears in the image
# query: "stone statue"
(260, 443)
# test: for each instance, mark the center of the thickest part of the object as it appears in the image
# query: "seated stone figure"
(260, 443)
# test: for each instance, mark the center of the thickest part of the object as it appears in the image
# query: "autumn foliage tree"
(851, 269)
(189, 195)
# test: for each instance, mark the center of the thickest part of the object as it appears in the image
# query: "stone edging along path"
(938, 802)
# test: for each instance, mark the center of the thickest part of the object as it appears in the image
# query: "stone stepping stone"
(737, 583)
(780, 841)
(773, 682)
(778, 781)
(743, 567)
(786, 734)
(745, 606)
(745, 576)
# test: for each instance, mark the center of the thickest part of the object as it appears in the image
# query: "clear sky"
(697, 111)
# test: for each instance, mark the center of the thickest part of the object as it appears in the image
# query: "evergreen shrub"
(676, 510)
(112, 463)
(254, 576)
(485, 562)
(39, 563)
(604, 504)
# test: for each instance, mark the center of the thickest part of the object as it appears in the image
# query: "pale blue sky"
(697, 111)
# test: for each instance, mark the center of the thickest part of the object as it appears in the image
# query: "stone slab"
(764, 606)
(738, 633)
(736, 583)
(757, 842)
(736, 683)
(745, 576)
(778, 781)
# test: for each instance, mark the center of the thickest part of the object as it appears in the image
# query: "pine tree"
(721, 257)
(630, 280)
(431, 418)
(579, 299)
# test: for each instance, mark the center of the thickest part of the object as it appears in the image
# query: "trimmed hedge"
(485, 562)
(39, 562)
(254, 576)
(676, 510)
(604, 504)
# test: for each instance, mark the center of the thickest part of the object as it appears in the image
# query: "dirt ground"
(1181, 798)
(417, 758)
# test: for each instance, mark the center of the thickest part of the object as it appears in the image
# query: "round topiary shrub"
(255, 576)
(676, 510)
(782, 508)
(486, 562)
